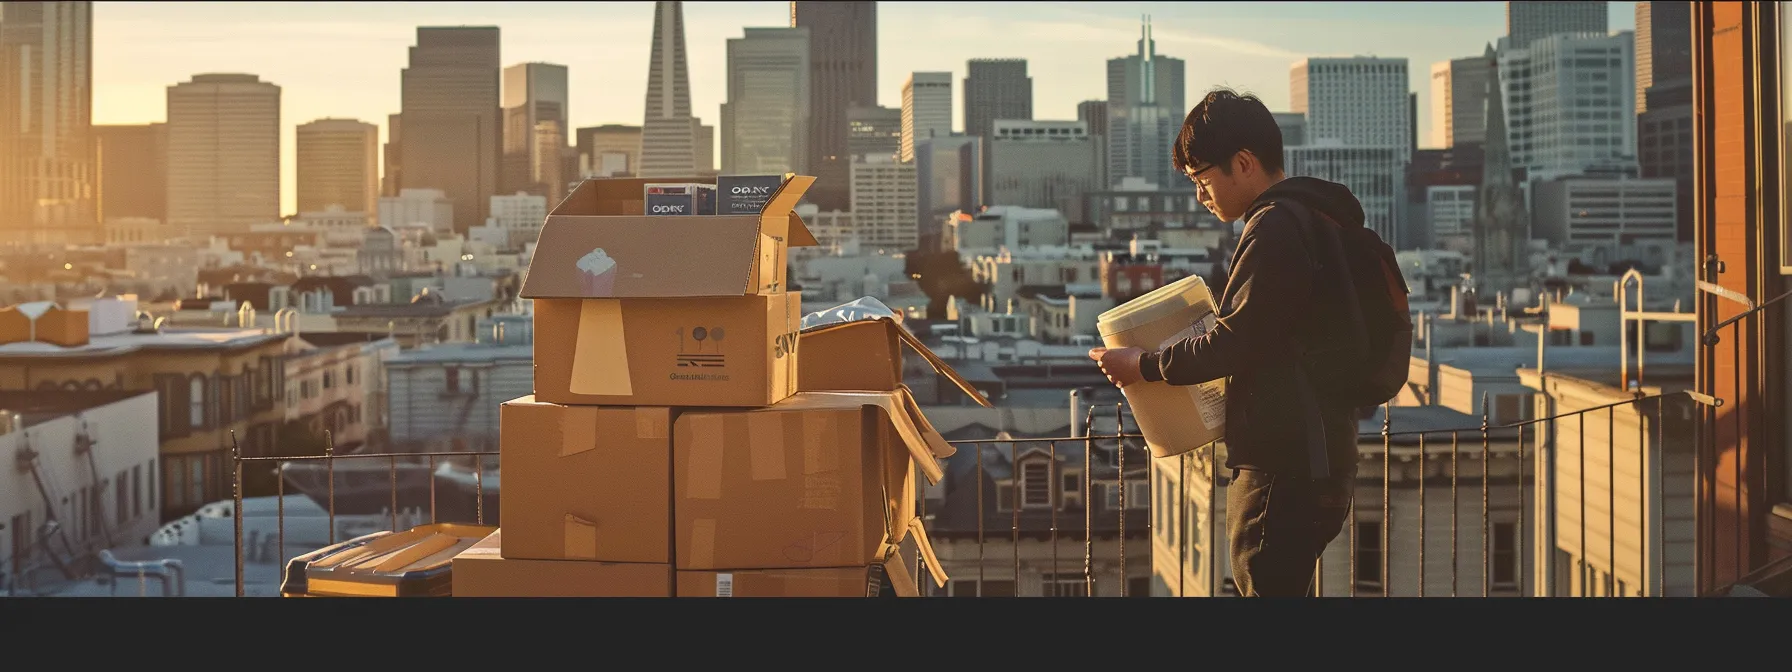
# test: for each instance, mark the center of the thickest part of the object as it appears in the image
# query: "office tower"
(46, 100)
(1663, 46)
(843, 75)
(1502, 224)
(1145, 112)
(1094, 114)
(223, 154)
(926, 109)
(948, 177)
(1360, 102)
(392, 173)
(452, 137)
(131, 166)
(1293, 126)
(884, 202)
(874, 131)
(339, 164)
(668, 133)
(611, 150)
(995, 89)
(1533, 20)
(1458, 101)
(765, 121)
(1569, 106)
(535, 129)
(703, 152)
(1045, 164)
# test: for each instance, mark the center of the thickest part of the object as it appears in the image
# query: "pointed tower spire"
(1147, 65)
(1501, 226)
(668, 133)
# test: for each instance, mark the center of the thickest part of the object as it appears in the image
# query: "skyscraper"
(223, 154)
(1501, 225)
(765, 121)
(131, 172)
(843, 75)
(1458, 101)
(1360, 102)
(668, 133)
(995, 88)
(1536, 19)
(535, 129)
(339, 164)
(874, 131)
(1145, 111)
(46, 100)
(611, 150)
(1663, 46)
(452, 138)
(926, 109)
(1568, 105)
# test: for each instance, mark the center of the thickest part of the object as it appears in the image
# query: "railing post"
(236, 511)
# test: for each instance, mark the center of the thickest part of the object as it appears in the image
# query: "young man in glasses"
(1291, 451)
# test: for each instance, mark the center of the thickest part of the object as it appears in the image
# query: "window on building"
(1064, 585)
(1138, 586)
(136, 491)
(1036, 481)
(1368, 554)
(451, 380)
(196, 402)
(121, 498)
(1505, 555)
(152, 477)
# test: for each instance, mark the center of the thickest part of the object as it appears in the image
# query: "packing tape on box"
(703, 469)
(600, 353)
(821, 443)
(703, 543)
(652, 422)
(578, 429)
(765, 442)
(579, 538)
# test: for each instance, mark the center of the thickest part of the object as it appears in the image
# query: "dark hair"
(1221, 125)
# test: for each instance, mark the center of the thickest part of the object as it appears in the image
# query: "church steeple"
(1501, 224)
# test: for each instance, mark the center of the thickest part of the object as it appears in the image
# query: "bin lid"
(1155, 304)
(414, 562)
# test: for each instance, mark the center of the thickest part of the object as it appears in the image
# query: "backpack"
(1378, 375)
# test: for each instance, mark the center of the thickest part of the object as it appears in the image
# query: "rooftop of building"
(39, 406)
(423, 309)
(464, 353)
(169, 339)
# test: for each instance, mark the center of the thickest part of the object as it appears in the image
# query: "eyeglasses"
(1195, 176)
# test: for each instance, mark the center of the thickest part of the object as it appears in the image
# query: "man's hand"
(1121, 365)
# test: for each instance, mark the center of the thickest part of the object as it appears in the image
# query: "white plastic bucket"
(1174, 419)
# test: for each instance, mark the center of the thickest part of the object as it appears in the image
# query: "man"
(1292, 453)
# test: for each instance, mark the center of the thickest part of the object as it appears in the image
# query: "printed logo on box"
(701, 347)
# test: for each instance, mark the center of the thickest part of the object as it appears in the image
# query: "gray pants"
(1279, 525)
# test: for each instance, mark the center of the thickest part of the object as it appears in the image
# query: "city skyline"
(356, 51)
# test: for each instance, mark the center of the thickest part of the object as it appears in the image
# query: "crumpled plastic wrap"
(864, 308)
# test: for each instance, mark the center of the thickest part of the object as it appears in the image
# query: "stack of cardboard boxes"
(673, 446)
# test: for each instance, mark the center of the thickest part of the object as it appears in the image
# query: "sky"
(343, 60)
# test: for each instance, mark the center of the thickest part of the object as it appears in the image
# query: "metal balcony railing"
(1546, 474)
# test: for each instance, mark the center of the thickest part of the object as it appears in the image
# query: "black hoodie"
(1284, 294)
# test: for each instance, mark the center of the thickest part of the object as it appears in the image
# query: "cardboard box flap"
(941, 366)
(782, 206)
(597, 243)
(905, 336)
(934, 568)
(922, 444)
(936, 443)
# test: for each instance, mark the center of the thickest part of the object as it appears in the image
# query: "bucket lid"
(1165, 300)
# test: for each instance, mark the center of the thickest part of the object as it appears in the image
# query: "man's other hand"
(1121, 365)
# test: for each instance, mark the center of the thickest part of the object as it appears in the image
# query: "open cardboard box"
(823, 479)
(866, 355)
(636, 310)
(597, 244)
(586, 482)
